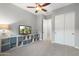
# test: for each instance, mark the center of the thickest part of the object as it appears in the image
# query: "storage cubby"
(8, 43)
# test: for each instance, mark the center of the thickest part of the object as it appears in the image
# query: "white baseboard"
(66, 45)
(76, 47)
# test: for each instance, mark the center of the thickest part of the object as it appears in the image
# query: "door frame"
(42, 29)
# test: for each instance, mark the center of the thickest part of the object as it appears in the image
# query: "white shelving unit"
(15, 41)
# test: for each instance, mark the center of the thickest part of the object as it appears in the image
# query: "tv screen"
(25, 30)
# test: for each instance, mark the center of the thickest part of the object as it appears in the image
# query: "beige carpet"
(44, 48)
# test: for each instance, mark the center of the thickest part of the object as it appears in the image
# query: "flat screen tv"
(24, 30)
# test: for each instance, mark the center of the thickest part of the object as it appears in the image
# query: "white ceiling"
(49, 8)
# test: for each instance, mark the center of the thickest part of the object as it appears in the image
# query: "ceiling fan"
(39, 7)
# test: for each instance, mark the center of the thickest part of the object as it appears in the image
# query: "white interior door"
(44, 29)
(69, 29)
(59, 29)
(47, 29)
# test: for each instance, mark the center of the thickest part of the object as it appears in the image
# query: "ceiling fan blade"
(44, 10)
(30, 7)
(45, 4)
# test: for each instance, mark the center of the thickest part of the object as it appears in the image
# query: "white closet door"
(59, 29)
(69, 29)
